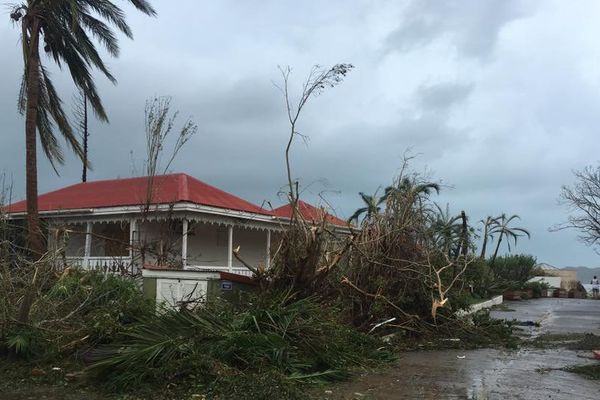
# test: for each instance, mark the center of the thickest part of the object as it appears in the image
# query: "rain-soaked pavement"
(487, 374)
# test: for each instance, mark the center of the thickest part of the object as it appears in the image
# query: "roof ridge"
(127, 178)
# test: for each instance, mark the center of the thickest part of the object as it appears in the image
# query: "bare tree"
(160, 122)
(583, 201)
(318, 80)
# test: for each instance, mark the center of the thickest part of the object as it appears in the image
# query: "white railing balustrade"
(117, 265)
(234, 270)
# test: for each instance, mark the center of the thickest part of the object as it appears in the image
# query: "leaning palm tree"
(503, 230)
(488, 227)
(67, 29)
(371, 208)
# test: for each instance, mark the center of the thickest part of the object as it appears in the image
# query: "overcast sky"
(498, 98)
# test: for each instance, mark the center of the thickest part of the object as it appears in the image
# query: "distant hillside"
(585, 274)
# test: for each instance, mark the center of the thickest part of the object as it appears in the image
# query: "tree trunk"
(465, 234)
(485, 240)
(34, 233)
(497, 248)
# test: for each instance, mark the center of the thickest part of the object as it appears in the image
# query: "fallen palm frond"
(296, 338)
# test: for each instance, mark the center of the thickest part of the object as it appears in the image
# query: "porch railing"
(117, 265)
(234, 270)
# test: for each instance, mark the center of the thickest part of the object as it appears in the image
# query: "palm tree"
(504, 231)
(66, 28)
(446, 229)
(371, 208)
(488, 226)
(412, 188)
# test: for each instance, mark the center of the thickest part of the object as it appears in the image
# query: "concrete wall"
(481, 306)
(568, 277)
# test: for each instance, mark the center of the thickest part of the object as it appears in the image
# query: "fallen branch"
(236, 254)
(346, 281)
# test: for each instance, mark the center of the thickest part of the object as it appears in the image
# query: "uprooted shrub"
(297, 340)
(396, 271)
(397, 267)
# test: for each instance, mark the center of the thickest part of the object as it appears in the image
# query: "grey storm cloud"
(472, 25)
(442, 96)
(497, 98)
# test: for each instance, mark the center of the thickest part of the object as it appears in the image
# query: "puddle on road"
(481, 375)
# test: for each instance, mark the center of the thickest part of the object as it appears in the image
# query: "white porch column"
(132, 230)
(268, 258)
(184, 238)
(230, 248)
(88, 245)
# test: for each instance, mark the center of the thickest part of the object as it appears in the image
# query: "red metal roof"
(166, 189)
(310, 213)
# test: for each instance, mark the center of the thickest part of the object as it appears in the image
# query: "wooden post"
(88, 245)
(184, 238)
(268, 258)
(230, 248)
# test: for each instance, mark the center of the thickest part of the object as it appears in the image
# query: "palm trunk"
(34, 233)
(465, 234)
(497, 248)
(485, 241)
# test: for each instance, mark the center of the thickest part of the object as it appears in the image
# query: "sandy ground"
(526, 374)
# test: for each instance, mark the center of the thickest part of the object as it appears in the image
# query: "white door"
(177, 292)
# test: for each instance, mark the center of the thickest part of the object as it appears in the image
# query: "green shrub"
(74, 311)
(514, 268)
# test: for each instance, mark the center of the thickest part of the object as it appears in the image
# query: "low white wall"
(480, 306)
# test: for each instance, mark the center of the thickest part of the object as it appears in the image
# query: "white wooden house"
(170, 220)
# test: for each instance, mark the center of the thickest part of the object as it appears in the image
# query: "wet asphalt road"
(555, 316)
(488, 374)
